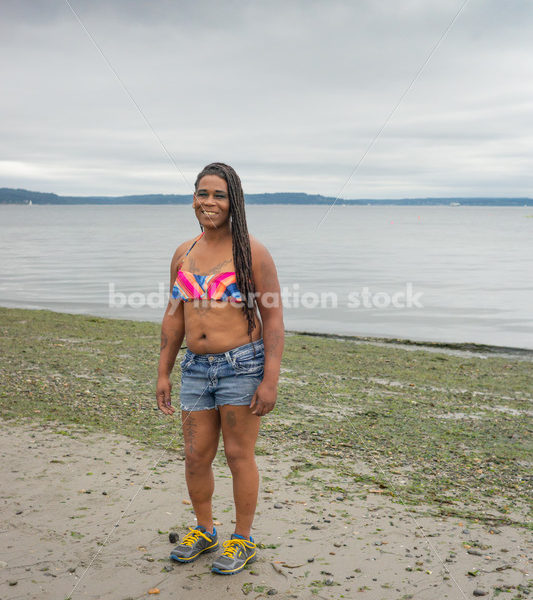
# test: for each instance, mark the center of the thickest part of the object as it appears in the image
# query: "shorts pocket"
(186, 363)
(250, 366)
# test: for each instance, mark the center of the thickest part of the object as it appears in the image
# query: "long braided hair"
(242, 255)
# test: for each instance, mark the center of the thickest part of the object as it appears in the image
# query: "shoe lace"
(193, 536)
(231, 546)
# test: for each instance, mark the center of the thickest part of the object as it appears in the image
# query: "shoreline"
(457, 348)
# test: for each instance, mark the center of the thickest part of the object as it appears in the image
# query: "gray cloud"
(290, 94)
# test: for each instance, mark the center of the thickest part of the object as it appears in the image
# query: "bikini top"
(216, 286)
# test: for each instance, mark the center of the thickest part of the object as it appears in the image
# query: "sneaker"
(198, 540)
(238, 552)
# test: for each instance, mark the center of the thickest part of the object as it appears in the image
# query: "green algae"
(418, 426)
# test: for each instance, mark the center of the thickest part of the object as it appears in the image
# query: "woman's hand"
(164, 387)
(264, 399)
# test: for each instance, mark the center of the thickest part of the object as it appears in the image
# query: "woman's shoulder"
(259, 251)
(256, 245)
(180, 251)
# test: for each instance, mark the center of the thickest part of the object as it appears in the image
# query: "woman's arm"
(172, 334)
(271, 309)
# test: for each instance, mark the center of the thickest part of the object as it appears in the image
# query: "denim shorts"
(213, 380)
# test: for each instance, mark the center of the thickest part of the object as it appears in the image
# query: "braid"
(242, 254)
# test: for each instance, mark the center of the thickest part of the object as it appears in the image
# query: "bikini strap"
(194, 243)
(183, 259)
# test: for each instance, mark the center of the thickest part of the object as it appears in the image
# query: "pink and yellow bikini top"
(217, 286)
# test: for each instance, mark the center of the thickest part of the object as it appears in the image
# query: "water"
(471, 266)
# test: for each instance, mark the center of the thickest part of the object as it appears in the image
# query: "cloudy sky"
(289, 93)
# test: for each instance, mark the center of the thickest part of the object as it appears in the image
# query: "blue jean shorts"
(213, 380)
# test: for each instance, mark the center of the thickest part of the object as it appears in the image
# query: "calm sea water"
(469, 269)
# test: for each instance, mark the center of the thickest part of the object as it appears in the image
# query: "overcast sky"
(288, 93)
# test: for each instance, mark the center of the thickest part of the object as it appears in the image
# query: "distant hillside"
(18, 196)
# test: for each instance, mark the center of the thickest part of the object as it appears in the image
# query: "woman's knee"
(237, 456)
(195, 462)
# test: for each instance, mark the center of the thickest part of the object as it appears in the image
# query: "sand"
(87, 515)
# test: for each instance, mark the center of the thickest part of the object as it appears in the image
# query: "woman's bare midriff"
(214, 326)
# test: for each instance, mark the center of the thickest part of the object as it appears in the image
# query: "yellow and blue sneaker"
(197, 541)
(238, 552)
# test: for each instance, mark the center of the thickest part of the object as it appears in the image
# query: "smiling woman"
(230, 371)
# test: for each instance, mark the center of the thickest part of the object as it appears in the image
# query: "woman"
(226, 302)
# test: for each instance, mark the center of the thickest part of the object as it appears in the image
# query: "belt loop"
(229, 358)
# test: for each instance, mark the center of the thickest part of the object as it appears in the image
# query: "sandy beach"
(386, 472)
(88, 516)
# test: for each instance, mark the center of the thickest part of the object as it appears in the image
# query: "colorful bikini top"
(217, 286)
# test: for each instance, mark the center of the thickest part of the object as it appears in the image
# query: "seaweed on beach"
(426, 428)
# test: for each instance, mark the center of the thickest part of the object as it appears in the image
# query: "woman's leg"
(201, 433)
(240, 429)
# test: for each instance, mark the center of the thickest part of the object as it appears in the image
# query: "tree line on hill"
(20, 196)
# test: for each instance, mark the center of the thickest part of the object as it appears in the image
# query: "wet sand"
(87, 515)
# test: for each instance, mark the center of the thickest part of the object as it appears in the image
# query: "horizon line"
(311, 195)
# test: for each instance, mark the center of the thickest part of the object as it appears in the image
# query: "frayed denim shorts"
(213, 380)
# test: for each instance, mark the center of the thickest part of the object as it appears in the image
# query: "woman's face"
(211, 202)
